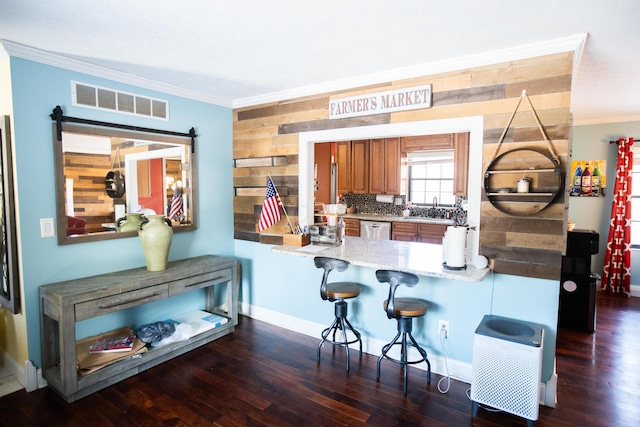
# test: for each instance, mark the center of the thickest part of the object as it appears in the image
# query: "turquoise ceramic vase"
(155, 235)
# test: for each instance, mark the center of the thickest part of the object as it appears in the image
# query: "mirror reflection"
(106, 179)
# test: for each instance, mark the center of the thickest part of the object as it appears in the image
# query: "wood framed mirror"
(158, 172)
(10, 288)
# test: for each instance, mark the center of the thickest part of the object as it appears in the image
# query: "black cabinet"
(577, 309)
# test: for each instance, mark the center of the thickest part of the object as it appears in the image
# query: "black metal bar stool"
(403, 310)
(338, 292)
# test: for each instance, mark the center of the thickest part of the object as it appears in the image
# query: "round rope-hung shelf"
(538, 168)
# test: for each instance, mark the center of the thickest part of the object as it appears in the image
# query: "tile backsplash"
(367, 204)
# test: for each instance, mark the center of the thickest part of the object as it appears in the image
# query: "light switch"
(46, 227)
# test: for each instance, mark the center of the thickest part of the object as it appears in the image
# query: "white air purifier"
(507, 366)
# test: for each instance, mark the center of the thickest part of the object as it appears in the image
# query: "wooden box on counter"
(296, 239)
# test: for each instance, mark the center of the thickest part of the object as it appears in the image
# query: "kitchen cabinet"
(384, 166)
(404, 231)
(417, 232)
(360, 167)
(431, 233)
(66, 303)
(369, 166)
(374, 166)
(353, 166)
(460, 163)
(351, 227)
(427, 143)
(458, 142)
(343, 158)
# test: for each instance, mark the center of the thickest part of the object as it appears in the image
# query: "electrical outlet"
(443, 325)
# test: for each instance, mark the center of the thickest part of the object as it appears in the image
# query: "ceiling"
(253, 51)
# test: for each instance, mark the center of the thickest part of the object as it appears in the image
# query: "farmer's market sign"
(411, 98)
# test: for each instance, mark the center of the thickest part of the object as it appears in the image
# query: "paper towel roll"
(384, 198)
(455, 247)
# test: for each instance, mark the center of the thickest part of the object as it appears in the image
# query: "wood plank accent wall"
(88, 172)
(91, 201)
(524, 246)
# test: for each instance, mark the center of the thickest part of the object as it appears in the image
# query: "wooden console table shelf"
(65, 303)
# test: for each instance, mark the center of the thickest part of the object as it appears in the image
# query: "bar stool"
(403, 310)
(338, 292)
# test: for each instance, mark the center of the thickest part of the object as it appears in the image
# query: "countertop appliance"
(375, 230)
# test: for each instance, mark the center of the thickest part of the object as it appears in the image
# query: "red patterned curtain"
(617, 262)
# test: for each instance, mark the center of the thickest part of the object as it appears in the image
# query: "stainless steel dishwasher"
(375, 230)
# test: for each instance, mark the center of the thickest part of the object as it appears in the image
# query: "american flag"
(271, 208)
(176, 211)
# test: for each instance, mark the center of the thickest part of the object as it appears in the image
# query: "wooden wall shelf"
(509, 167)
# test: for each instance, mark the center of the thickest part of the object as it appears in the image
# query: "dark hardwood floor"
(265, 375)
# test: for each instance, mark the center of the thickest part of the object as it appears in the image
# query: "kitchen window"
(430, 175)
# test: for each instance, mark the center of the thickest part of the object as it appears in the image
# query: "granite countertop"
(422, 259)
(390, 218)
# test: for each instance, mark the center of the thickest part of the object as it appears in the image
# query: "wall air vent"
(91, 96)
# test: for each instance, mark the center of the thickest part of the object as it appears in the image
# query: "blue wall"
(291, 285)
(271, 281)
(37, 89)
(591, 142)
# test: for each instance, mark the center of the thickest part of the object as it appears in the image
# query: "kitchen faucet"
(435, 202)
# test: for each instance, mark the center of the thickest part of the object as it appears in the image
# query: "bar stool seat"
(408, 307)
(338, 292)
(342, 290)
(404, 310)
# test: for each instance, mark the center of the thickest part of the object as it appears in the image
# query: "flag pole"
(282, 204)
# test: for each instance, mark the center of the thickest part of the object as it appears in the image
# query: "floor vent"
(91, 96)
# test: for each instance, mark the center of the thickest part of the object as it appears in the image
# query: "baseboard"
(14, 368)
(548, 390)
(27, 375)
(460, 371)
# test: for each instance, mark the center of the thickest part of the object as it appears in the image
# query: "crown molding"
(572, 43)
(43, 57)
(606, 120)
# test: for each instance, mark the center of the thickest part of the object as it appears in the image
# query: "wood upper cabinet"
(374, 166)
(427, 142)
(458, 142)
(384, 166)
(360, 167)
(461, 163)
(343, 158)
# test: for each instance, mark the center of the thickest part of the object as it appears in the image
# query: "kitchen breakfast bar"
(422, 259)
(459, 298)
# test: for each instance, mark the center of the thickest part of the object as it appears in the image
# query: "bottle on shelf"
(585, 187)
(596, 181)
(577, 180)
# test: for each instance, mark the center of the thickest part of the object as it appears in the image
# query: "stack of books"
(113, 344)
(96, 352)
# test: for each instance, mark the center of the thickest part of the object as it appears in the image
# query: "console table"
(65, 303)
